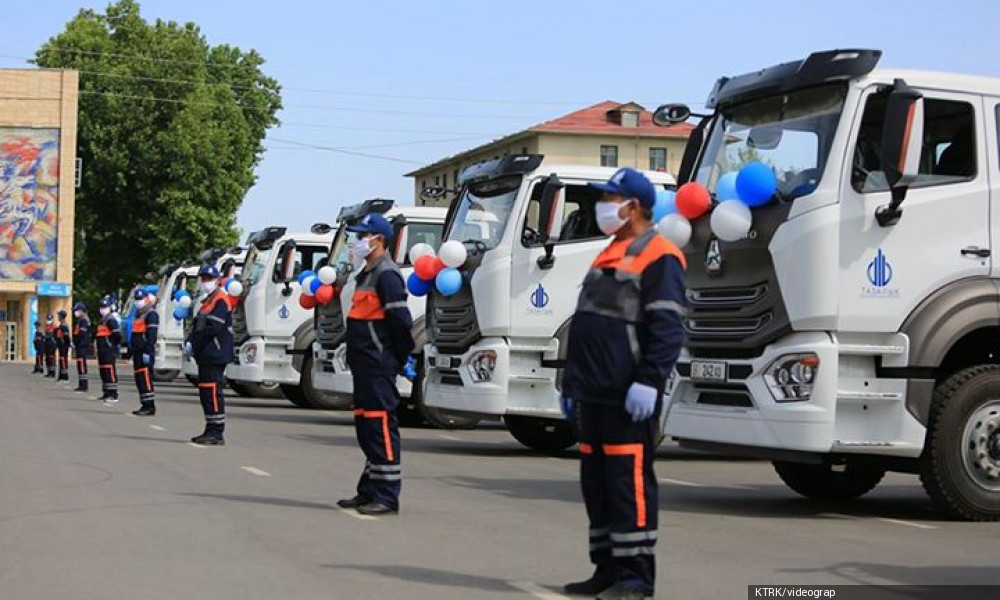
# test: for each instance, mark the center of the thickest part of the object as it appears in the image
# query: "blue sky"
(416, 81)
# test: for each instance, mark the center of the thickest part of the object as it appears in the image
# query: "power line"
(342, 151)
(392, 145)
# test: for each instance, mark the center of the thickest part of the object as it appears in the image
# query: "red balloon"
(307, 302)
(693, 200)
(427, 267)
(324, 294)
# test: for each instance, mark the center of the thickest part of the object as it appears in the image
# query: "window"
(630, 119)
(307, 258)
(455, 177)
(437, 180)
(657, 159)
(422, 233)
(579, 221)
(949, 148)
(609, 156)
(524, 149)
(444, 182)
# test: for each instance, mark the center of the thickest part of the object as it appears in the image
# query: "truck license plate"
(708, 371)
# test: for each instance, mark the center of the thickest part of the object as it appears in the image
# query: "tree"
(170, 132)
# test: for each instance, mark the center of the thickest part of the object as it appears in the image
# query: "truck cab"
(412, 225)
(173, 278)
(495, 347)
(272, 332)
(856, 329)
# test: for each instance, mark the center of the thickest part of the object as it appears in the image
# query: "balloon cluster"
(735, 194)
(436, 270)
(182, 304)
(317, 287)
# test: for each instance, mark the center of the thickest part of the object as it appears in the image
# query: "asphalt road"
(95, 503)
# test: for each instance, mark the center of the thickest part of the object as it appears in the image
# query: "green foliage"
(170, 132)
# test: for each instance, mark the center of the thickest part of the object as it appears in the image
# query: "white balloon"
(453, 254)
(676, 228)
(306, 284)
(184, 301)
(419, 250)
(234, 288)
(731, 221)
(327, 275)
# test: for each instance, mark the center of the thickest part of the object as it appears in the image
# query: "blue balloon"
(666, 204)
(417, 286)
(304, 274)
(180, 313)
(315, 284)
(448, 282)
(180, 294)
(725, 189)
(756, 184)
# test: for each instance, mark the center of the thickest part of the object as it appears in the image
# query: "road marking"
(334, 413)
(256, 471)
(679, 482)
(353, 513)
(157, 428)
(194, 445)
(908, 523)
(537, 591)
(836, 516)
(445, 436)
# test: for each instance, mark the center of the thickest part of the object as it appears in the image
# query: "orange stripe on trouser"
(638, 480)
(379, 414)
(114, 379)
(145, 372)
(586, 448)
(215, 394)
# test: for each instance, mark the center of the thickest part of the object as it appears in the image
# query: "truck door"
(991, 112)
(943, 234)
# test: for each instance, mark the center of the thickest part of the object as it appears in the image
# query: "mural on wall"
(29, 203)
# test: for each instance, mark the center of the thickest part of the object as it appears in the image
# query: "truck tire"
(544, 435)
(193, 380)
(165, 375)
(318, 398)
(822, 482)
(960, 466)
(295, 395)
(265, 390)
(236, 386)
(435, 418)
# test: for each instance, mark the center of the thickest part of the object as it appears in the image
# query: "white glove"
(640, 402)
(188, 349)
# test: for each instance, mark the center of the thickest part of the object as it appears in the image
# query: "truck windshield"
(256, 263)
(483, 210)
(791, 133)
(340, 258)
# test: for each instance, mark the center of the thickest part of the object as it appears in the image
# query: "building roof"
(603, 118)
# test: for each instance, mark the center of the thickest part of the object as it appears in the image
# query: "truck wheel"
(295, 395)
(822, 482)
(544, 435)
(165, 375)
(192, 380)
(432, 416)
(265, 390)
(960, 467)
(318, 398)
(236, 386)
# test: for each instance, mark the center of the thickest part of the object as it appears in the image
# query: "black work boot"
(620, 591)
(82, 388)
(211, 437)
(376, 509)
(597, 583)
(354, 502)
(148, 409)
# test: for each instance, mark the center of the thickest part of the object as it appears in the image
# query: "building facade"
(38, 121)
(608, 134)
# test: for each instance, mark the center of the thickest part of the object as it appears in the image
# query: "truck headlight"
(481, 366)
(249, 354)
(791, 377)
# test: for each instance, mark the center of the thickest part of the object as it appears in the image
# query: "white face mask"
(105, 311)
(607, 217)
(78, 314)
(209, 286)
(360, 251)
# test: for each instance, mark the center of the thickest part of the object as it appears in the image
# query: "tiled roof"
(594, 119)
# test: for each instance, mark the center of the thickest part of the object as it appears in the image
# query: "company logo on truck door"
(283, 312)
(879, 276)
(539, 298)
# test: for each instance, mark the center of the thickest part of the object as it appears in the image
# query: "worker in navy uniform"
(379, 344)
(49, 346)
(63, 342)
(81, 346)
(39, 344)
(625, 337)
(142, 345)
(109, 339)
(211, 345)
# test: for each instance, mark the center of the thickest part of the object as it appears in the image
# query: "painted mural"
(29, 203)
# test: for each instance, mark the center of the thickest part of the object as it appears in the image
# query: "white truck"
(169, 357)
(273, 334)
(495, 348)
(412, 225)
(856, 329)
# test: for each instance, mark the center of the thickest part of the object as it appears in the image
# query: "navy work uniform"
(63, 342)
(39, 344)
(49, 346)
(81, 346)
(379, 343)
(109, 339)
(627, 330)
(211, 345)
(142, 345)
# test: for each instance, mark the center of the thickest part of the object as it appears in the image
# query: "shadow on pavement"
(426, 446)
(266, 500)
(432, 577)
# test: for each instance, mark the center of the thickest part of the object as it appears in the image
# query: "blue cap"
(48, 317)
(208, 271)
(372, 223)
(80, 306)
(630, 183)
(62, 314)
(139, 294)
(105, 302)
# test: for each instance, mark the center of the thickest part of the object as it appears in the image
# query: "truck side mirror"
(902, 144)
(285, 269)
(671, 114)
(400, 239)
(550, 212)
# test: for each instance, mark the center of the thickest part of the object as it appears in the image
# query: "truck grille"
(452, 323)
(240, 333)
(330, 328)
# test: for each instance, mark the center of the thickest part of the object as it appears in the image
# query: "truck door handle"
(976, 251)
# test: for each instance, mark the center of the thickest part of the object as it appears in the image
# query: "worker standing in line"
(211, 345)
(81, 346)
(50, 346)
(39, 344)
(379, 344)
(109, 339)
(142, 345)
(63, 342)
(625, 337)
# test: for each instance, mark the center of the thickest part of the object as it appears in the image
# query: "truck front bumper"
(330, 372)
(264, 361)
(168, 355)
